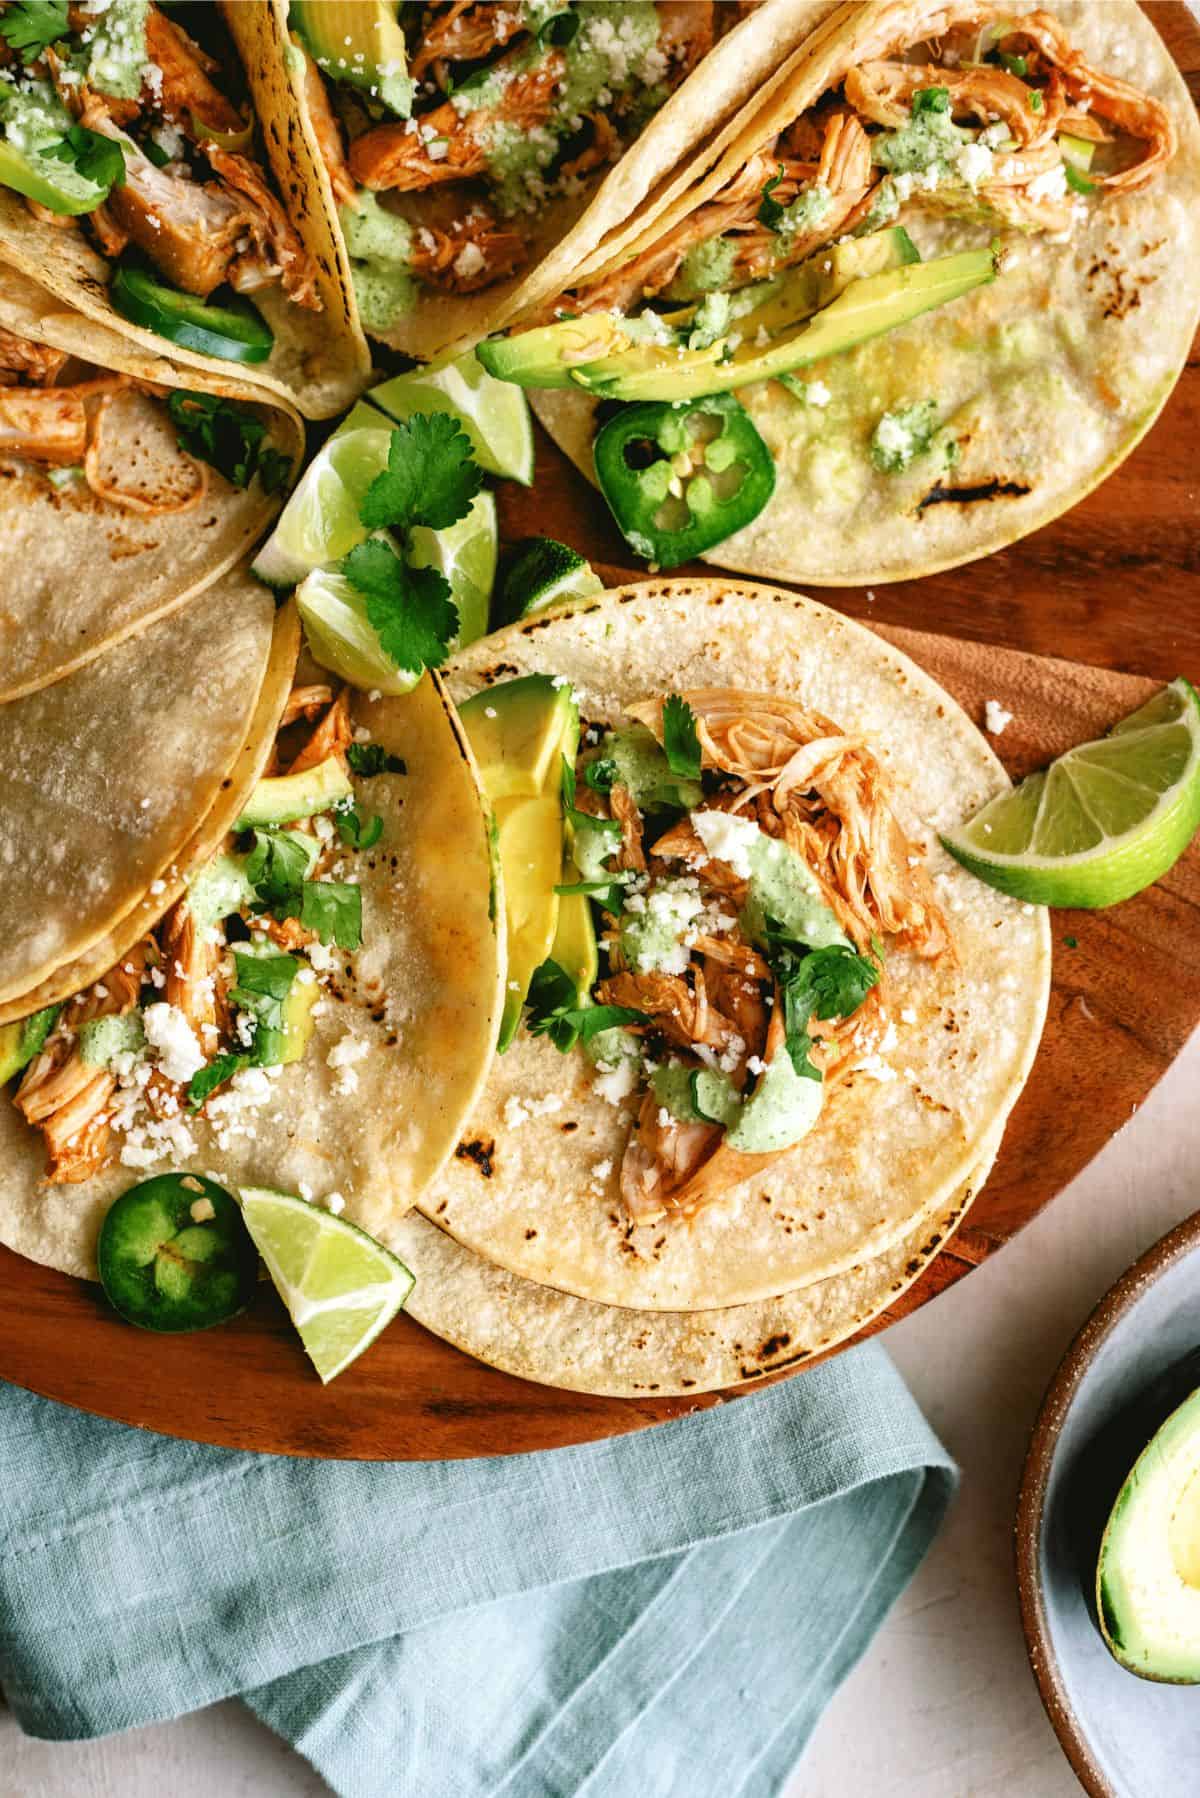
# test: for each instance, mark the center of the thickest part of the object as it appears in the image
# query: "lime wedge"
(342, 638)
(320, 522)
(1102, 822)
(494, 414)
(340, 1286)
(545, 573)
(466, 554)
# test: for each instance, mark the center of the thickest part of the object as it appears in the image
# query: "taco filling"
(747, 876)
(199, 1018)
(136, 445)
(490, 112)
(117, 122)
(994, 118)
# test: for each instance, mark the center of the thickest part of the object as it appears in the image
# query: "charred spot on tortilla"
(481, 1151)
(996, 488)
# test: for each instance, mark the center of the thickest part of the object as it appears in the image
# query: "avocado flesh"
(1148, 1574)
(864, 309)
(529, 838)
(545, 357)
(21, 1040)
(352, 41)
(574, 946)
(519, 748)
(792, 298)
(280, 798)
(298, 1021)
(69, 194)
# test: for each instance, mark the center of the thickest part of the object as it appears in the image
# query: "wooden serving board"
(1112, 585)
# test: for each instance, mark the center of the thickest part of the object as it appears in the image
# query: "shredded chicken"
(464, 31)
(185, 95)
(70, 1101)
(449, 145)
(799, 779)
(470, 253)
(22, 360)
(46, 425)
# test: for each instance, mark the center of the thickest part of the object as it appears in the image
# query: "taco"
(758, 1026)
(315, 1009)
(948, 265)
(136, 188)
(465, 150)
(114, 463)
(558, 1340)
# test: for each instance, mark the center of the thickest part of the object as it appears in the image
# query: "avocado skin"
(21, 1040)
(1134, 1593)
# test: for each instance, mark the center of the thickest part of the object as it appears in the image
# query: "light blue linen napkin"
(664, 1614)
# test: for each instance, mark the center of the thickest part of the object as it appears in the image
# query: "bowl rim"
(1121, 1298)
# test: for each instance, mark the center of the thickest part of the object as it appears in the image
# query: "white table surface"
(944, 1705)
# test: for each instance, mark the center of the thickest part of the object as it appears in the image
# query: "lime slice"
(320, 522)
(340, 1286)
(545, 573)
(1102, 822)
(342, 638)
(494, 414)
(466, 554)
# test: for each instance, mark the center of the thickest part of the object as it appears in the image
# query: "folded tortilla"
(1044, 380)
(401, 1040)
(534, 1184)
(568, 227)
(157, 527)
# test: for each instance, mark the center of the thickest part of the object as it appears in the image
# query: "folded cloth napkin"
(662, 1614)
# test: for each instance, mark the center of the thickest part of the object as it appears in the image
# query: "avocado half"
(1148, 1574)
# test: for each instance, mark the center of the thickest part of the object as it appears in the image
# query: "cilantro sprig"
(555, 1011)
(816, 983)
(230, 436)
(681, 744)
(30, 26)
(575, 818)
(98, 159)
(410, 609)
(368, 759)
(431, 477)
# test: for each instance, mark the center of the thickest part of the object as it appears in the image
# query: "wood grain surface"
(1113, 586)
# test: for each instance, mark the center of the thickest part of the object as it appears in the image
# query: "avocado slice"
(1148, 1572)
(21, 1040)
(530, 843)
(283, 797)
(864, 309)
(298, 1021)
(546, 357)
(355, 41)
(783, 1107)
(518, 732)
(574, 947)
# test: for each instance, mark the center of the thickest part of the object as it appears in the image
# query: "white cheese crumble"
(169, 1033)
(995, 719)
(727, 838)
(1050, 186)
(974, 163)
(201, 1210)
(519, 1111)
(616, 1083)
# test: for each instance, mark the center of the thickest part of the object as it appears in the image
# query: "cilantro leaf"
(560, 28)
(771, 211)
(30, 26)
(930, 99)
(367, 759)
(230, 437)
(353, 828)
(601, 774)
(276, 868)
(265, 976)
(99, 159)
(681, 745)
(206, 1080)
(431, 477)
(1016, 65)
(575, 818)
(816, 983)
(333, 908)
(554, 1010)
(410, 609)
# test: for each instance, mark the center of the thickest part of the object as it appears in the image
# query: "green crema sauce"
(609, 56)
(379, 244)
